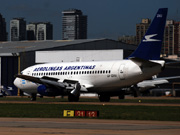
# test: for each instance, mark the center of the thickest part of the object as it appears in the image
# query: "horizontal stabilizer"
(172, 63)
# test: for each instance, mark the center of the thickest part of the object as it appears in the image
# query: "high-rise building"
(171, 43)
(168, 43)
(17, 29)
(74, 25)
(177, 37)
(31, 29)
(141, 29)
(3, 33)
(44, 31)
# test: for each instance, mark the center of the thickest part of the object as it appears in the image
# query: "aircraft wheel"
(72, 98)
(121, 96)
(104, 98)
(33, 97)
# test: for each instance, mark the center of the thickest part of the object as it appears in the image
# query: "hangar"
(16, 56)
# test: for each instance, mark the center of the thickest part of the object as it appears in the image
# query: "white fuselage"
(101, 76)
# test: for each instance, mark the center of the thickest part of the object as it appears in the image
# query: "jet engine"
(44, 91)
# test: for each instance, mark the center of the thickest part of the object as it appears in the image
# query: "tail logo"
(148, 38)
(159, 15)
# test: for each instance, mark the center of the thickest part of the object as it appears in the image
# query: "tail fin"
(150, 46)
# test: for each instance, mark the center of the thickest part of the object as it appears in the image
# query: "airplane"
(5, 91)
(106, 78)
(146, 85)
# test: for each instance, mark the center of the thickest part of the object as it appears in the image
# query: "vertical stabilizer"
(150, 46)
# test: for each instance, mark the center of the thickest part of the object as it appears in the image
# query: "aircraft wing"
(45, 81)
(73, 86)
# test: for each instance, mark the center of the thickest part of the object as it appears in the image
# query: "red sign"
(80, 113)
(91, 113)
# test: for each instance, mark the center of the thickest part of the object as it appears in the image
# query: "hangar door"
(9, 67)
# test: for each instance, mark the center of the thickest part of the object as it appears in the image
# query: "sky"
(106, 18)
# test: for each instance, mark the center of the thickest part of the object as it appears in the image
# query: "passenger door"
(121, 72)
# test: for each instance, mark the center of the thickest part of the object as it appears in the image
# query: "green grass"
(161, 113)
(135, 100)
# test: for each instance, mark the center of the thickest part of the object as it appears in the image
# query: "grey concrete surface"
(39, 126)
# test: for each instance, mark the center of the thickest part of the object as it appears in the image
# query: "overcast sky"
(106, 18)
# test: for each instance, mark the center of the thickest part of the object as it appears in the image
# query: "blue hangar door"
(9, 68)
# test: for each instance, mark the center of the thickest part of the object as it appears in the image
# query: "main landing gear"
(104, 98)
(33, 97)
(75, 93)
(73, 98)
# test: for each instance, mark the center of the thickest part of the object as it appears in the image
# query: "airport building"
(16, 56)
(17, 29)
(74, 25)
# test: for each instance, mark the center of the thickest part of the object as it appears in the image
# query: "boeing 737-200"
(106, 78)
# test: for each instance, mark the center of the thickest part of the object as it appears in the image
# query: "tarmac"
(67, 126)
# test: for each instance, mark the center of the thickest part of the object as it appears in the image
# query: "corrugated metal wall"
(9, 67)
(81, 55)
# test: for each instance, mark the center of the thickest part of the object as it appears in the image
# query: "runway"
(45, 126)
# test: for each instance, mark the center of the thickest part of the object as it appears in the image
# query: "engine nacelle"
(44, 91)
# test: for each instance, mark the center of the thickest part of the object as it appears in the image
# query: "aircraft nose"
(16, 82)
